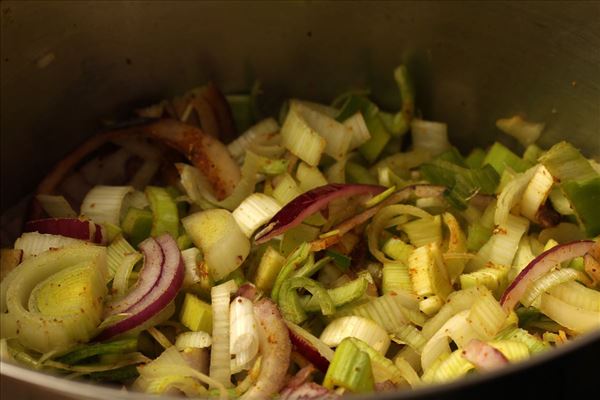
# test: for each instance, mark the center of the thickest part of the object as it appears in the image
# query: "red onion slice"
(70, 227)
(539, 266)
(275, 348)
(311, 347)
(161, 294)
(297, 210)
(483, 356)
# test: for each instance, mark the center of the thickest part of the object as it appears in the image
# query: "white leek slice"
(577, 295)
(220, 356)
(560, 202)
(451, 368)
(56, 325)
(193, 340)
(569, 316)
(255, 134)
(336, 135)
(244, 339)
(429, 136)
(120, 284)
(336, 173)
(428, 272)
(536, 193)
(221, 239)
(254, 211)
(34, 244)
(116, 252)
(56, 206)
(424, 231)
(524, 131)
(301, 139)
(511, 194)
(103, 204)
(357, 327)
(360, 131)
(192, 272)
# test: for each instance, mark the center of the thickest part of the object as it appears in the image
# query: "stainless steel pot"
(66, 65)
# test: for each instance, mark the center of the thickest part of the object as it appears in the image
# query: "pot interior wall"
(67, 65)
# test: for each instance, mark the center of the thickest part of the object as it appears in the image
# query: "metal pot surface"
(67, 65)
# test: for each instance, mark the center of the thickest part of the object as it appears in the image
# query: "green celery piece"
(477, 236)
(534, 344)
(289, 300)
(380, 137)
(453, 156)
(165, 215)
(532, 153)
(350, 369)
(91, 350)
(297, 257)
(341, 295)
(122, 374)
(584, 196)
(195, 314)
(475, 158)
(356, 173)
(137, 225)
(499, 157)
(341, 260)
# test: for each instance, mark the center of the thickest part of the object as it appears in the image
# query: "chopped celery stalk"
(195, 314)
(291, 263)
(137, 225)
(533, 343)
(424, 231)
(270, 264)
(184, 242)
(430, 136)
(396, 277)
(487, 315)
(286, 190)
(475, 158)
(165, 216)
(86, 351)
(477, 236)
(104, 203)
(300, 138)
(532, 153)
(492, 277)
(452, 367)
(357, 327)
(512, 350)
(309, 177)
(350, 369)
(341, 260)
(356, 173)
(56, 206)
(397, 249)
(584, 196)
(500, 157)
(254, 211)
(411, 336)
(289, 300)
(566, 163)
(428, 273)
(524, 131)
(341, 295)
(220, 238)
(431, 305)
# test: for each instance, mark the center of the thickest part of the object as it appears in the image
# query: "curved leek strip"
(577, 295)
(569, 316)
(511, 195)
(289, 300)
(257, 133)
(220, 358)
(33, 243)
(411, 336)
(536, 193)
(486, 315)
(244, 339)
(457, 243)
(56, 326)
(103, 204)
(356, 327)
(549, 281)
(379, 223)
(120, 284)
(360, 133)
(290, 264)
(223, 243)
